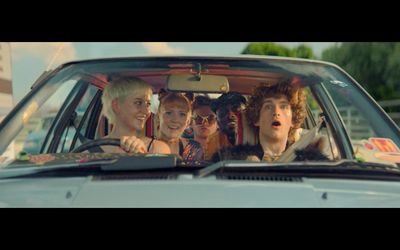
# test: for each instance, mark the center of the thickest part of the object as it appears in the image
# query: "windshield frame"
(333, 117)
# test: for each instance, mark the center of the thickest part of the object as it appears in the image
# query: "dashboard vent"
(260, 178)
(121, 177)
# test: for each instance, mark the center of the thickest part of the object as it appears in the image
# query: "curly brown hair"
(296, 97)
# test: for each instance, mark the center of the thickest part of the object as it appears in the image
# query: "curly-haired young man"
(275, 112)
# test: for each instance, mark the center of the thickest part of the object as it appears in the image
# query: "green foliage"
(375, 65)
(303, 51)
(312, 103)
(273, 49)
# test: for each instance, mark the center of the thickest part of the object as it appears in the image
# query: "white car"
(363, 170)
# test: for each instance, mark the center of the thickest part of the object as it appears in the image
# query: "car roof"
(285, 65)
(204, 57)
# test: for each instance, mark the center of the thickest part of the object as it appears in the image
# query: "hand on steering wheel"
(129, 144)
(132, 144)
(96, 143)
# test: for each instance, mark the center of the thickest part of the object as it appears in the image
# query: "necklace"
(270, 157)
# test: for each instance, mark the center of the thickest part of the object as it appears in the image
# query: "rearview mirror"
(198, 83)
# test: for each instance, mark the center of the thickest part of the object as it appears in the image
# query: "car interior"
(91, 124)
(79, 120)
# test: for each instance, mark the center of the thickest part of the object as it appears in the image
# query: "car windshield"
(64, 111)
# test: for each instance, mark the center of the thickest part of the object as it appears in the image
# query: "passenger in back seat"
(204, 120)
(228, 108)
(174, 115)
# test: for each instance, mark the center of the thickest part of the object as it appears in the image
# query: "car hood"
(188, 192)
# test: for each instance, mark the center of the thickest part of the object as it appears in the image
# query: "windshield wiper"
(32, 169)
(122, 163)
(141, 162)
(343, 166)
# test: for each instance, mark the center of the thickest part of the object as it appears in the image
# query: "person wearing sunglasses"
(204, 120)
(228, 108)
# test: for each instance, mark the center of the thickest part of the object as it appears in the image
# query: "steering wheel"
(97, 143)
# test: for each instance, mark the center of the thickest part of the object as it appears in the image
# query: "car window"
(74, 134)
(31, 138)
(360, 118)
(316, 113)
(369, 130)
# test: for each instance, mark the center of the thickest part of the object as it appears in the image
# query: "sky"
(30, 59)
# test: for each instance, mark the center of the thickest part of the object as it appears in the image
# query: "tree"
(303, 51)
(271, 49)
(375, 65)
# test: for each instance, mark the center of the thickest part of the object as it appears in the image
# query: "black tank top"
(100, 150)
(180, 147)
(151, 142)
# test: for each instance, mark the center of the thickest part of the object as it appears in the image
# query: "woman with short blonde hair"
(126, 104)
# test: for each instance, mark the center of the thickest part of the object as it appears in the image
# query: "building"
(6, 94)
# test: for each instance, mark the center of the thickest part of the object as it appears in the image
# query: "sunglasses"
(199, 120)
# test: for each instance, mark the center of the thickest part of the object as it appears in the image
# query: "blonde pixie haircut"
(119, 89)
